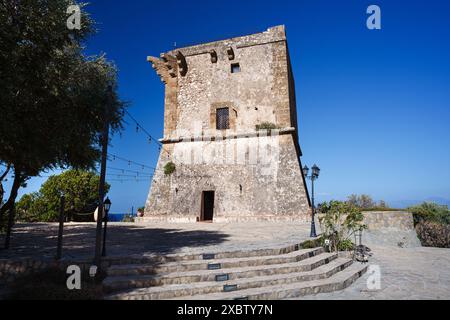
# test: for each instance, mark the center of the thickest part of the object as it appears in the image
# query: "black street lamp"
(106, 206)
(314, 175)
(101, 187)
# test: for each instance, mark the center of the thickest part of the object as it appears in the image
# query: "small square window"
(235, 68)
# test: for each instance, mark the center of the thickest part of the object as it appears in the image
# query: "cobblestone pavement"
(39, 240)
(406, 274)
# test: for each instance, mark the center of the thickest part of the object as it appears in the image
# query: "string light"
(140, 127)
(131, 162)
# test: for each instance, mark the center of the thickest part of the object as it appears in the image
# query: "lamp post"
(101, 188)
(106, 206)
(314, 175)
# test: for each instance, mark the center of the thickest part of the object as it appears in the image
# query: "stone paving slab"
(406, 274)
(124, 239)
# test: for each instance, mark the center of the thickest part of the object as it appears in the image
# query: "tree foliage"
(80, 189)
(52, 96)
(366, 203)
(430, 212)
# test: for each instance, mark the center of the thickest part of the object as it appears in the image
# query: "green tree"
(52, 96)
(353, 199)
(365, 202)
(80, 189)
(382, 204)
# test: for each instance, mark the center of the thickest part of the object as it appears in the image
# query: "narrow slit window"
(235, 68)
(223, 119)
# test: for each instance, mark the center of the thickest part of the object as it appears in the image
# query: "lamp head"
(315, 171)
(107, 204)
(305, 171)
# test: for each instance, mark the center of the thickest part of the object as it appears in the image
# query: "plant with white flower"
(339, 221)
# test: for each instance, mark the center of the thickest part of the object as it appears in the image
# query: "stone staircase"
(278, 273)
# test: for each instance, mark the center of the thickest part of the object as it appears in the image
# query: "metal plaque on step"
(214, 266)
(222, 277)
(229, 288)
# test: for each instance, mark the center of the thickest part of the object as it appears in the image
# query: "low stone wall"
(11, 269)
(390, 228)
(398, 220)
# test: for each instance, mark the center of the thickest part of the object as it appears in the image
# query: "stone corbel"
(171, 64)
(160, 68)
(213, 54)
(230, 53)
(182, 64)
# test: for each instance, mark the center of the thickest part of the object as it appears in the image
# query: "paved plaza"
(39, 240)
(406, 273)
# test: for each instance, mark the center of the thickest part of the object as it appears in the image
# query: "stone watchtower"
(230, 130)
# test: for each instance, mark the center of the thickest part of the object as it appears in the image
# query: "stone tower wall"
(235, 162)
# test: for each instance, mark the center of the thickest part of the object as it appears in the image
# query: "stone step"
(338, 281)
(141, 269)
(204, 255)
(179, 290)
(112, 283)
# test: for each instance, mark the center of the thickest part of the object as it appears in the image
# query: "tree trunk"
(12, 196)
(10, 225)
(9, 205)
(2, 177)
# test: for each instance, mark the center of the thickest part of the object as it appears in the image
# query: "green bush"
(346, 245)
(266, 126)
(169, 168)
(339, 221)
(128, 218)
(310, 244)
(432, 212)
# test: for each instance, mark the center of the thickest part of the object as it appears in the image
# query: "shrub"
(432, 234)
(169, 168)
(339, 221)
(128, 218)
(429, 211)
(346, 245)
(310, 244)
(266, 126)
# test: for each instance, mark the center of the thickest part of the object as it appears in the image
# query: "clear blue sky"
(373, 105)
